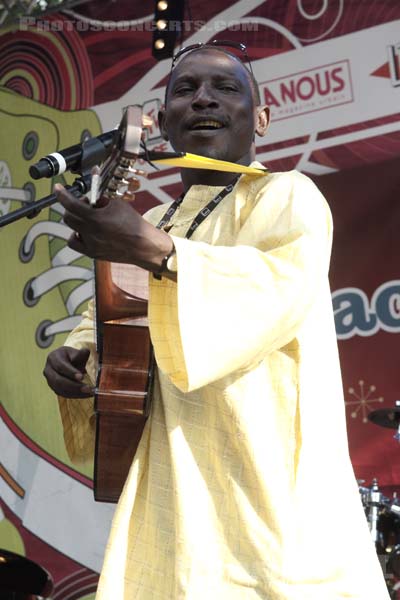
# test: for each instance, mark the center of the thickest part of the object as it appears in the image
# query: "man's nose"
(204, 97)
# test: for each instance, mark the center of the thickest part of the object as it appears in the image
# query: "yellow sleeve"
(77, 414)
(231, 306)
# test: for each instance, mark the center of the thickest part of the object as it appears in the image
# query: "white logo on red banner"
(308, 91)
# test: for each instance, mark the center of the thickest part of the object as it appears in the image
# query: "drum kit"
(382, 512)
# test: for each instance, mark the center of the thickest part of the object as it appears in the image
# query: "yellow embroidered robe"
(242, 487)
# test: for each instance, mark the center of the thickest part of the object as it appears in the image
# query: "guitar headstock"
(117, 177)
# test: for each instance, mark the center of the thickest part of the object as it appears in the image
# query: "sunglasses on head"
(215, 44)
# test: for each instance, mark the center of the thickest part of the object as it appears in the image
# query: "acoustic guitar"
(125, 358)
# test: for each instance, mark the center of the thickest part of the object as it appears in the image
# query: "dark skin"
(206, 86)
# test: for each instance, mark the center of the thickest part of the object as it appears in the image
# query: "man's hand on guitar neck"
(115, 232)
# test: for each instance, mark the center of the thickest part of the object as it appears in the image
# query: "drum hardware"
(393, 563)
(375, 504)
(22, 578)
(383, 516)
(387, 417)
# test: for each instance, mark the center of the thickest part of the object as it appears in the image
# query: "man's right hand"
(65, 369)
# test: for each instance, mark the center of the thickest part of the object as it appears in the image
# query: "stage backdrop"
(330, 72)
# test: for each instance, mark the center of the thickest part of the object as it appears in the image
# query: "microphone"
(86, 155)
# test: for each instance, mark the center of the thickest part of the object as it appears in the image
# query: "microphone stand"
(80, 186)
(93, 152)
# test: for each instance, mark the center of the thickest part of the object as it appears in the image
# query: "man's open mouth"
(206, 125)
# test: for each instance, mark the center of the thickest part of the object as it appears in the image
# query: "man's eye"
(228, 87)
(185, 89)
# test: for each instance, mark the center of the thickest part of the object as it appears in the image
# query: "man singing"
(242, 486)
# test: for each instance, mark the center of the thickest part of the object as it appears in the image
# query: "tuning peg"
(133, 185)
(129, 196)
(121, 187)
(125, 195)
(116, 182)
(147, 121)
(129, 172)
(122, 171)
(141, 173)
(95, 185)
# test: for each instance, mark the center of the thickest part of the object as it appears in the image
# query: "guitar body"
(124, 377)
(125, 364)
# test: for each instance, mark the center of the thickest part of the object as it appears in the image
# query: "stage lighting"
(161, 24)
(168, 17)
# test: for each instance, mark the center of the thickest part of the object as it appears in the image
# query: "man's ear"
(161, 123)
(262, 120)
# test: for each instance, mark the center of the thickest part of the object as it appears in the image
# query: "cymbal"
(386, 417)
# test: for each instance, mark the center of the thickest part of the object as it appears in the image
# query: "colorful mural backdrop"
(330, 71)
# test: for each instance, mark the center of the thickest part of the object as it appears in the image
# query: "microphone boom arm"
(80, 186)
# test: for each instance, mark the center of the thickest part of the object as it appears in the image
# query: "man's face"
(210, 107)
